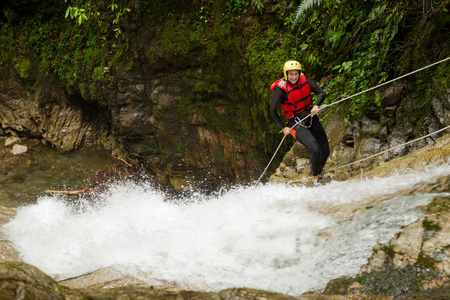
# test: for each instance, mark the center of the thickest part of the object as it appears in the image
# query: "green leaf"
(68, 11)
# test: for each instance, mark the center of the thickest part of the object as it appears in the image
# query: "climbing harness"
(357, 94)
(301, 123)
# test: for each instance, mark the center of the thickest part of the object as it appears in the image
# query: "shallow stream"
(26, 177)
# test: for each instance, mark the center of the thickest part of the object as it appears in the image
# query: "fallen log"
(77, 192)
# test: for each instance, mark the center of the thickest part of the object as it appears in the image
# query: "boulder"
(395, 139)
(245, 294)
(289, 158)
(300, 151)
(348, 139)
(300, 164)
(441, 108)
(7, 250)
(368, 147)
(19, 280)
(437, 240)
(370, 127)
(11, 140)
(19, 149)
(289, 172)
(392, 95)
(49, 112)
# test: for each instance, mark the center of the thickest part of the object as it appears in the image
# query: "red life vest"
(298, 96)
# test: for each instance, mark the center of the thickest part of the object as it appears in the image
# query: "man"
(293, 94)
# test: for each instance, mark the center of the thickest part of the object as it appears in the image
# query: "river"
(280, 238)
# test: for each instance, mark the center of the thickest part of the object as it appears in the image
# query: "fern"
(259, 5)
(304, 6)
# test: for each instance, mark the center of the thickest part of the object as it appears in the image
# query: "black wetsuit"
(313, 138)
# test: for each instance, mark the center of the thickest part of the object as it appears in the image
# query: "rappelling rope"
(382, 152)
(341, 100)
(387, 82)
(275, 153)
(273, 156)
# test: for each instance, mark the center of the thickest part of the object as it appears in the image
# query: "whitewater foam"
(267, 237)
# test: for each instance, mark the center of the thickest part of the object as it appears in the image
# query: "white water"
(263, 237)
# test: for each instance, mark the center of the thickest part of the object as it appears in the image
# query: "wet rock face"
(138, 118)
(415, 263)
(22, 281)
(173, 141)
(441, 108)
(7, 250)
(46, 110)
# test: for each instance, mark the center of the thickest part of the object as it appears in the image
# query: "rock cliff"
(184, 88)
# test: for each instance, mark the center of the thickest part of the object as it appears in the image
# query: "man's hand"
(314, 110)
(286, 130)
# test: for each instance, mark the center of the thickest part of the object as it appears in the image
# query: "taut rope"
(357, 94)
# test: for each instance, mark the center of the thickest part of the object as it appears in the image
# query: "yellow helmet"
(291, 65)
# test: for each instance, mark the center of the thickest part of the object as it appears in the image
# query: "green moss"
(23, 68)
(179, 151)
(430, 225)
(426, 260)
(438, 205)
(390, 252)
(74, 53)
(434, 293)
(178, 37)
(395, 283)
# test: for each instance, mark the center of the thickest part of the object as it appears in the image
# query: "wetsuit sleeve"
(315, 88)
(277, 95)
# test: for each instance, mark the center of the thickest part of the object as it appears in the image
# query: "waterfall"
(275, 237)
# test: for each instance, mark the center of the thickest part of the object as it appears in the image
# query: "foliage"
(259, 5)
(265, 65)
(360, 45)
(119, 14)
(85, 53)
(304, 6)
(94, 11)
(240, 45)
(79, 14)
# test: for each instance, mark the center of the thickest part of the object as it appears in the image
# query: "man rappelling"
(293, 94)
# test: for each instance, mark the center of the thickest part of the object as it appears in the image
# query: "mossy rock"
(23, 281)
